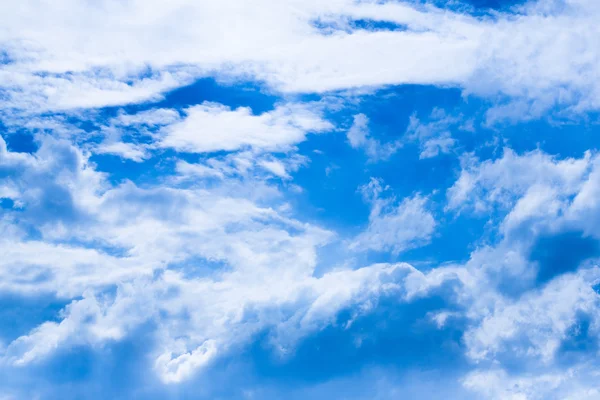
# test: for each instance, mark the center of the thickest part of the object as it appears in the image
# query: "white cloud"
(124, 150)
(212, 127)
(174, 370)
(433, 147)
(244, 164)
(496, 384)
(276, 167)
(539, 58)
(434, 135)
(535, 325)
(565, 383)
(394, 227)
(152, 117)
(45, 182)
(35, 93)
(513, 318)
(532, 191)
(503, 181)
(211, 269)
(359, 138)
(214, 266)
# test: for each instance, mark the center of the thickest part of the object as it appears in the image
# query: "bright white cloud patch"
(213, 127)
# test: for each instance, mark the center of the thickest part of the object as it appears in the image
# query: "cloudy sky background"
(301, 199)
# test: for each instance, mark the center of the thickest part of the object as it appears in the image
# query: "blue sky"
(299, 199)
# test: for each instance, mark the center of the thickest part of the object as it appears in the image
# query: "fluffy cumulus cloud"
(299, 199)
(275, 130)
(212, 269)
